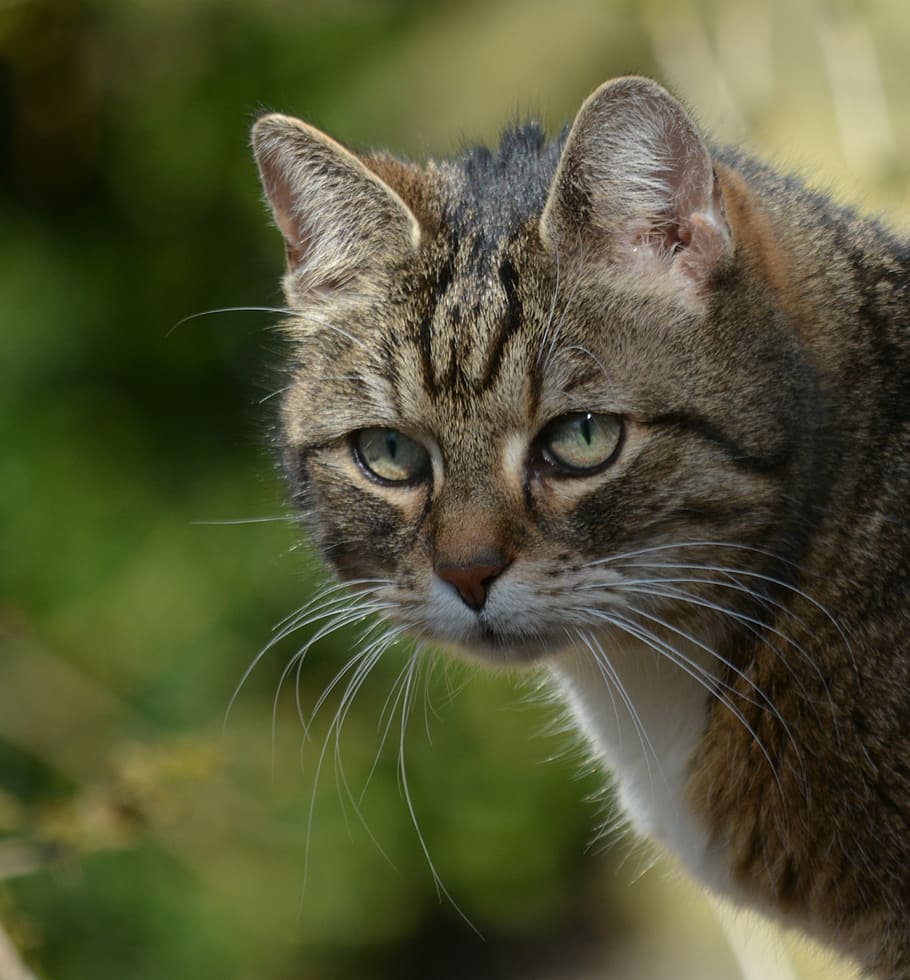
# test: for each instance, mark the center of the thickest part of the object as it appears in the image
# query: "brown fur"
(754, 340)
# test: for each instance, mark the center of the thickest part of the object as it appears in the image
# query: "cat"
(636, 407)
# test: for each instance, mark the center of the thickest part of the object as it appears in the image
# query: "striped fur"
(725, 603)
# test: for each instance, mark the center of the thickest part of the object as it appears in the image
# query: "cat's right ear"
(338, 219)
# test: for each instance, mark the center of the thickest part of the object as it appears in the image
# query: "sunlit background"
(145, 551)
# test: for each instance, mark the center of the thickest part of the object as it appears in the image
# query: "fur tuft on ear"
(337, 217)
(635, 187)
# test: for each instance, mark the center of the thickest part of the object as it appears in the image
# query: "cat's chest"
(644, 716)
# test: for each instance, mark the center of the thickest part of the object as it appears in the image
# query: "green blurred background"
(145, 546)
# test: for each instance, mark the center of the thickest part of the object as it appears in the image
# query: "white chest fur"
(644, 721)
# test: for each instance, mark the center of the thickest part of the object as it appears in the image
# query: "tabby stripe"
(703, 429)
(509, 325)
(425, 336)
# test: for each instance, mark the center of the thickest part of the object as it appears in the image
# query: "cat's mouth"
(495, 645)
(502, 632)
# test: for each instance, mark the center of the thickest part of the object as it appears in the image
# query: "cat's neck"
(812, 253)
(644, 718)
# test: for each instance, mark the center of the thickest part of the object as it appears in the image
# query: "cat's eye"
(390, 456)
(581, 442)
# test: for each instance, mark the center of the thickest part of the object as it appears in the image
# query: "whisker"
(297, 620)
(365, 661)
(678, 545)
(341, 613)
(701, 676)
(347, 617)
(628, 584)
(390, 705)
(274, 394)
(239, 521)
(352, 617)
(764, 703)
(755, 626)
(370, 657)
(702, 646)
(351, 586)
(584, 636)
(278, 311)
(311, 811)
(406, 706)
(771, 580)
(428, 698)
(453, 687)
(394, 698)
(611, 676)
(322, 321)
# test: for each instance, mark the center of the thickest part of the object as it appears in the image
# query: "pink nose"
(472, 581)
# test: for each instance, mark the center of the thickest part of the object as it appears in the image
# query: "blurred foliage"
(137, 839)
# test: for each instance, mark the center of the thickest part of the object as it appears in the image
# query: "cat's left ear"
(635, 187)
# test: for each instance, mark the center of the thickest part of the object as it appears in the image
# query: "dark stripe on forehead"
(425, 335)
(509, 325)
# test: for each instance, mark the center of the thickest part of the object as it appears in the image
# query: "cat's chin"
(504, 650)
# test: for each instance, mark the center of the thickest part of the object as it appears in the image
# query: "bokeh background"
(146, 550)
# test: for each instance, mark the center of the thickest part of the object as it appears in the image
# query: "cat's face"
(517, 427)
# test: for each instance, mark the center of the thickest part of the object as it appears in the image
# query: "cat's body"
(645, 413)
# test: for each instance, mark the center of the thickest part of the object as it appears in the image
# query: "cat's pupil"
(391, 442)
(586, 429)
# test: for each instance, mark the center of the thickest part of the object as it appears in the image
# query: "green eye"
(390, 456)
(581, 442)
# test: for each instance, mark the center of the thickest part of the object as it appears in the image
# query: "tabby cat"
(637, 407)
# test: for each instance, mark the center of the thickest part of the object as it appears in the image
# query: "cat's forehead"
(470, 350)
(476, 311)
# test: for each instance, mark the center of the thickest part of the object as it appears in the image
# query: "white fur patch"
(649, 753)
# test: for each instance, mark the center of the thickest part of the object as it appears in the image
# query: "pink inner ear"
(664, 237)
(297, 241)
(708, 246)
(690, 235)
(288, 228)
(295, 245)
(315, 281)
(300, 238)
(682, 166)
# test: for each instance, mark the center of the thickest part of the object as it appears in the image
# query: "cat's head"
(538, 392)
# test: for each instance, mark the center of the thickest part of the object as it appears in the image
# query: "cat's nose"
(471, 581)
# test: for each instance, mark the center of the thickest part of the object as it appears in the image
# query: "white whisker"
(385, 724)
(240, 521)
(322, 321)
(755, 625)
(700, 675)
(274, 394)
(369, 657)
(770, 580)
(611, 677)
(277, 310)
(406, 706)
(679, 545)
(765, 702)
